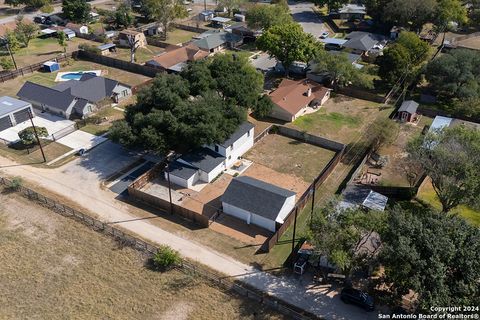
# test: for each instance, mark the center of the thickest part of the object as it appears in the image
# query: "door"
(5, 123)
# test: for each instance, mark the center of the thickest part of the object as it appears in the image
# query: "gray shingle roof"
(203, 159)
(362, 40)
(9, 105)
(258, 197)
(241, 130)
(211, 40)
(181, 170)
(34, 92)
(409, 106)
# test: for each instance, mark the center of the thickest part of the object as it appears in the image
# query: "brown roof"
(175, 55)
(292, 95)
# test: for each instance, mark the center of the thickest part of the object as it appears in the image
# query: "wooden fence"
(185, 27)
(226, 283)
(10, 75)
(433, 112)
(361, 94)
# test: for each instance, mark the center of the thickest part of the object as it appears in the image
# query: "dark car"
(358, 297)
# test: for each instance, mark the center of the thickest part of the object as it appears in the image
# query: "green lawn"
(109, 114)
(141, 56)
(178, 36)
(323, 118)
(52, 151)
(427, 195)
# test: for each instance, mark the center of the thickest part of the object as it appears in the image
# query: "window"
(231, 146)
(248, 134)
(229, 157)
(216, 148)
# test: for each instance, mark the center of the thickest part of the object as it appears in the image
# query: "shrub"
(27, 135)
(165, 258)
(15, 184)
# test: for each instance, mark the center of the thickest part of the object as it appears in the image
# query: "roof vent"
(309, 92)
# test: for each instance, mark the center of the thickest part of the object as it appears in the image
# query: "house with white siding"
(257, 202)
(206, 163)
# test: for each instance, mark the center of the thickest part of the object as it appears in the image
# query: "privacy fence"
(5, 76)
(126, 239)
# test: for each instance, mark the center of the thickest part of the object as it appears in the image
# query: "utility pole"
(7, 45)
(36, 135)
(205, 5)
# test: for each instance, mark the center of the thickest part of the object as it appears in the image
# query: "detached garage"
(13, 112)
(257, 202)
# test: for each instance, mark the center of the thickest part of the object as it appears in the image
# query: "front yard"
(33, 156)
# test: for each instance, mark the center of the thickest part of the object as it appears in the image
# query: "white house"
(206, 163)
(257, 202)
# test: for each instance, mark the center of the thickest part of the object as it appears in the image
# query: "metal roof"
(106, 46)
(409, 106)
(255, 196)
(221, 19)
(439, 123)
(9, 105)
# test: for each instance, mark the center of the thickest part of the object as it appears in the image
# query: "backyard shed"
(106, 48)
(13, 111)
(257, 202)
(408, 111)
(51, 66)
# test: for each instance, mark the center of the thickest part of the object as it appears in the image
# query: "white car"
(324, 35)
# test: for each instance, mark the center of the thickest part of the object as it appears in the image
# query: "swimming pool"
(75, 75)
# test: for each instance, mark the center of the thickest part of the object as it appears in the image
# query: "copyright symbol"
(475, 316)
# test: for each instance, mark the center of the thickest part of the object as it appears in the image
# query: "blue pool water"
(75, 75)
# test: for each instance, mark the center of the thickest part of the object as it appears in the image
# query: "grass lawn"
(290, 156)
(109, 114)
(341, 118)
(55, 268)
(11, 87)
(142, 55)
(427, 194)
(52, 151)
(178, 36)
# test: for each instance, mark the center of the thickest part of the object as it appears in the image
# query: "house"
(408, 111)
(77, 28)
(364, 43)
(352, 11)
(175, 57)
(75, 98)
(13, 112)
(294, 98)
(107, 48)
(137, 37)
(257, 202)
(206, 163)
(206, 15)
(220, 22)
(216, 40)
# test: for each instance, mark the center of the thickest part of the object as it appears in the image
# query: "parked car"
(358, 297)
(324, 35)
(39, 19)
(332, 46)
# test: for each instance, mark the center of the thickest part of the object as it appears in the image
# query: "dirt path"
(83, 187)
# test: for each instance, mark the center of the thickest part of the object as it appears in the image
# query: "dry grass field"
(56, 268)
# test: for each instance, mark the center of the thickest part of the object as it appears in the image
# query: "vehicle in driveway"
(324, 35)
(358, 297)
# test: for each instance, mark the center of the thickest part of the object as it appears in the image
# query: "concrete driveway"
(302, 12)
(81, 140)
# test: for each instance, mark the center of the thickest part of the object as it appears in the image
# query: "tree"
(260, 17)
(199, 76)
(12, 41)
(123, 17)
(434, 254)
(133, 44)
(405, 12)
(451, 159)
(164, 11)
(165, 258)
(76, 10)
(456, 74)
(263, 107)
(381, 132)
(62, 40)
(25, 31)
(288, 43)
(341, 69)
(230, 5)
(6, 64)
(417, 48)
(27, 135)
(331, 4)
(449, 10)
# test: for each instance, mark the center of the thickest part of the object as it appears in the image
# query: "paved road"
(57, 8)
(302, 12)
(80, 180)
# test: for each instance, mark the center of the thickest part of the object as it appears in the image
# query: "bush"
(165, 258)
(15, 184)
(27, 135)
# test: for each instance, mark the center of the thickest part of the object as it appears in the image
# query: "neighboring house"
(75, 98)
(206, 15)
(352, 11)
(365, 42)
(294, 98)
(77, 28)
(175, 57)
(13, 112)
(138, 38)
(257, 202)
(408, 111)
(206, 163)
(216, 40)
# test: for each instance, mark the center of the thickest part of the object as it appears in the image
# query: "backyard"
(11, 87)
(142, 55)
(179, 36)
(53, 268)
(102, 121)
